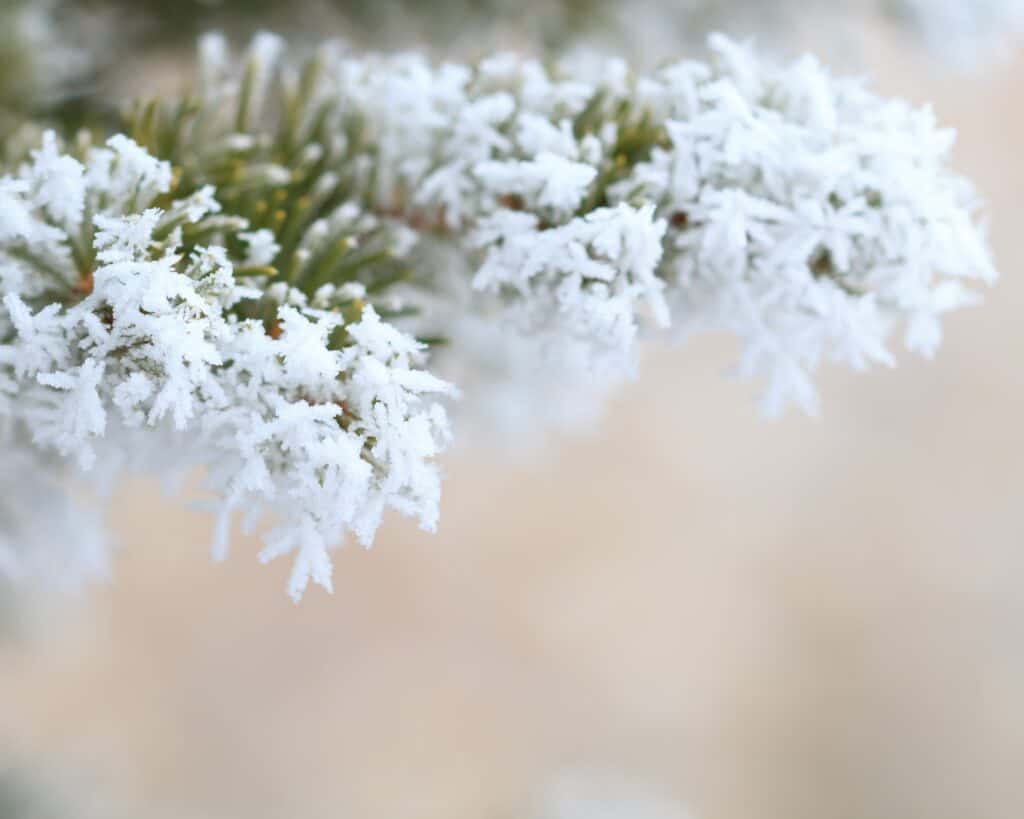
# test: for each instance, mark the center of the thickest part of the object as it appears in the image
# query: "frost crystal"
(794, 209)
(239, 281)
(321, 421)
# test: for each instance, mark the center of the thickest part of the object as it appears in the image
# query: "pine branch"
(236, 280)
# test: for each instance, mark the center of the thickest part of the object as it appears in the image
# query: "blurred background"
(686, 612)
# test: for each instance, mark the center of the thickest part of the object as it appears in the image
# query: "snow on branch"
(253, 276)
(319, 414)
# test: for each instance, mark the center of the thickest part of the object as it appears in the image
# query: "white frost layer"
(324, 438)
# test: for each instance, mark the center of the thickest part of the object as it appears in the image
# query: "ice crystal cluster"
(288, 274)
(145, 328)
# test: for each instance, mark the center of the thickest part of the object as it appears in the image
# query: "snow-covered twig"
(239, 277)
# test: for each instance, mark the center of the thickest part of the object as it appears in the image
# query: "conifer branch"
(238, 279)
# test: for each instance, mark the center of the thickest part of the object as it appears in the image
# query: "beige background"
(807, 618)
